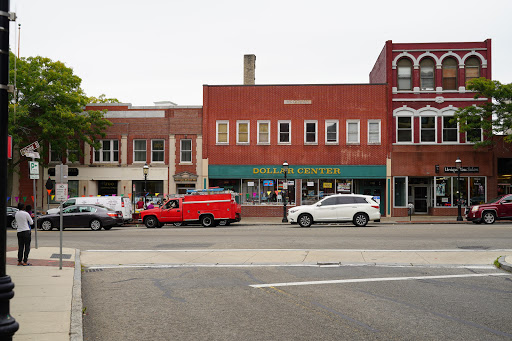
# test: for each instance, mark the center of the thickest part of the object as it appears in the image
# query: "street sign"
(34, 155)
(33, 166)
(30, 148)
(61, 192)
(61, 173)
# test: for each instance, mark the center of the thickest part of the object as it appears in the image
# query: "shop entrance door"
(374, 188)
(420, 195)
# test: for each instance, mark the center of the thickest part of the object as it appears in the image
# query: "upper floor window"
(404, 67)
(353, 132)
(73, 154)
(242, 132)
(310, 132)
(428, 129)
(54, 155)
(109, 151)
(449, 74)
(427, 74)
(331, 131)
(285, 132)
(157, 150)
(474, 134)
(222, 132)
(472, 69)
(373, 131)
(450, 133)
(404, 129)
(139, 151)
(186, 150)
(263, 132)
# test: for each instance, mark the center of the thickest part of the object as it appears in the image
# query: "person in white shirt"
(24, 220)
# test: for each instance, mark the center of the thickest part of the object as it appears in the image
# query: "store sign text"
(306, 170)
(462, 169)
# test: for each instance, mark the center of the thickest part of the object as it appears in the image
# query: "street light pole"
(285, 186)
(458, 163)
(145, 169)
(8, 325)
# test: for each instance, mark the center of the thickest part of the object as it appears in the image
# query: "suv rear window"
(360, 200)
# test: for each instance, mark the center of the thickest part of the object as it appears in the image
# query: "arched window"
(427, 74)
(404, 74)
(472, 68)
(449, 74)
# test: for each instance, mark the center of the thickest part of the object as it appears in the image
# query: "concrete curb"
(76, 328)
(504, 265)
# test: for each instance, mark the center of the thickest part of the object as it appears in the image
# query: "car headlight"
(474, 209)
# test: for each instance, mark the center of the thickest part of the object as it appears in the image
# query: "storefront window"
(443, 191)
(477, 190)
(309, 191)
(344, 186)
(463, 187)
(327, 187)
(154, 191)
(72, 191)
(269, 191)
(400, 192)
(228, 184)
(290, 192)
(250, 191)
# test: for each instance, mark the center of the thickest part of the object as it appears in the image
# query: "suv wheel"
(305, 220)
(488, 217)
(360, 219)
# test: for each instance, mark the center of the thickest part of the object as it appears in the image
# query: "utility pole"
(8, 325)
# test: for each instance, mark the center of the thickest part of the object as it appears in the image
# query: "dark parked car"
(11, 211)
(496, 209)
(78, 216)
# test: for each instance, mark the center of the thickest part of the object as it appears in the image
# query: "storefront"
(262, 185)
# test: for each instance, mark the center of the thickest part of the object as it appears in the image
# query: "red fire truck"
(200, 207)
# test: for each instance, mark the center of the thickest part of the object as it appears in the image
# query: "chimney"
(249, 69)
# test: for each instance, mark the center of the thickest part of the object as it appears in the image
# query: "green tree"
(493, 117)
(49, 108)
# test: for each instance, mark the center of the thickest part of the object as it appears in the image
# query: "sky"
(142, 52)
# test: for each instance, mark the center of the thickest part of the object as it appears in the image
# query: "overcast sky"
(142, 52)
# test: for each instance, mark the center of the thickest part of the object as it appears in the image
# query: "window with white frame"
(73, 152)
(285, 132)
(428, 129)
(353, 132)
(373, 131)
(263, 132)
(185, 151)
(427, 71)
(54, 155)
(450, 131)
(242, 132)
(404, 129)
(475, 133)
(157, 150)
(404, 74)
(310, 132)
(109, 151)
(222, 132)
(331, 131)
(139, 151)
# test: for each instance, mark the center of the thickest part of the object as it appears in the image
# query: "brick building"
(427, 85)
(332, 136)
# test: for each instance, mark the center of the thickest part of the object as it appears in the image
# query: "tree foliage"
(493, 117)
(49, 108)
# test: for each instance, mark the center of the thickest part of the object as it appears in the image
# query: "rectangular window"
(109, 151)
(285, 132)
(450, 133)
(477, 190)
(428, 129)
(404, 129)
(331, 131)
(222, 132)
(157, 150)
(186, 150)
(310, 132)
(400, 192)
(353, 132)
(444, 191)
(54, 156)
(73, 155)
(373, 131)
(475, 134)
(139, 151)
(242, 132)
(263, 132)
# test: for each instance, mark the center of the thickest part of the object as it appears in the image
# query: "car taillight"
(122, 203)
(112, 214)
(377, 207)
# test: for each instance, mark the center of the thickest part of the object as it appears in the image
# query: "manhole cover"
(474, 247)
(64, 256)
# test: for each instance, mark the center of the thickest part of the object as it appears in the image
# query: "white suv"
(359, 209)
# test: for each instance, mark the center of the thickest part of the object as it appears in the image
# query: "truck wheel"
(151, 222)
(360, 219)
(488, 217)
(207, 221)
(305, 220)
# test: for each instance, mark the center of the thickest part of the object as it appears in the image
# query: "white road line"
(323, 250)
(363, 280)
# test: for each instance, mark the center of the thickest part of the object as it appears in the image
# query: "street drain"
(64, 255)
(93, 270)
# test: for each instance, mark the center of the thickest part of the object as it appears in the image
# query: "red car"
(499, 208)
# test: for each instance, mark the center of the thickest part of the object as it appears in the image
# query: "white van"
(116, 203)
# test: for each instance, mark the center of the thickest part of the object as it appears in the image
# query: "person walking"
(24, 221)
